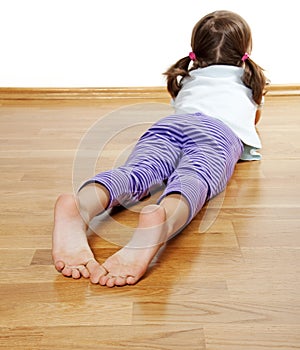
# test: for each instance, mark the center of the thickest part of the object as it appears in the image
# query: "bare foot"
(71, 252)
(130, 263)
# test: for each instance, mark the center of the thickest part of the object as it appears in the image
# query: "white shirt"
(218, 91)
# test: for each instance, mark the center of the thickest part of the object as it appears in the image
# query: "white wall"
(104, 43)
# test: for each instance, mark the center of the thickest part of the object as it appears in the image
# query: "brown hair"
(221, 37)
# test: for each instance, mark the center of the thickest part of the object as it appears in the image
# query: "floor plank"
(229, 281)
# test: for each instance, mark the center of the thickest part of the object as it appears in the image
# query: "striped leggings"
(191, 154)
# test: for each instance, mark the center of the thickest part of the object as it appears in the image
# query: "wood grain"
(235, 286)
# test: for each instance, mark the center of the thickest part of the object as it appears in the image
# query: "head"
(221, 37)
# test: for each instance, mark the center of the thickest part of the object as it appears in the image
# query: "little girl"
(217, 92)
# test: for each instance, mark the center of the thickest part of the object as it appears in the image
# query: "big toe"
(131, 280)
(96, 271)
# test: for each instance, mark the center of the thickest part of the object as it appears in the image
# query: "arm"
(257, 116)
(258, 112)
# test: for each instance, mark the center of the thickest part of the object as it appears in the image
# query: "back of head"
(221, 37)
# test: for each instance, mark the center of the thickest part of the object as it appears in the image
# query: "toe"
(111, 282)
(131, 280)
(59, 265)
(103, 280)
(121, 281)
(75, 273)
(93, 266)
(96, 273)
(84, 272)
(67, 271)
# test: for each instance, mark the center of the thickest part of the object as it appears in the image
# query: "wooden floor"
(230, 281)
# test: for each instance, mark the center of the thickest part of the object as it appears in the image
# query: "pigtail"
(254, 78)
(175, 74)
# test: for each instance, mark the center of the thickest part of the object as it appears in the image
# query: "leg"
(184, 196)
(207, 156)
(71, 252)
(157, 223)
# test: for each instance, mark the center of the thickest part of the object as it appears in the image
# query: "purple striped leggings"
(191, 154)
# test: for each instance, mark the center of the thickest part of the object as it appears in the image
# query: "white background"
(119, 43)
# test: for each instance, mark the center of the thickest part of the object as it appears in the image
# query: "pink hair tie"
(245, 57)
(192, 56)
